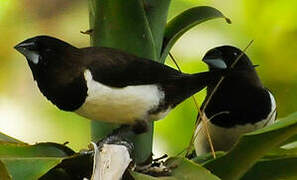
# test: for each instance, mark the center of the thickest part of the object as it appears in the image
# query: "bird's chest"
(224, 138)
(226, 127)
(66, 95)
(119, 105)
(240, 104)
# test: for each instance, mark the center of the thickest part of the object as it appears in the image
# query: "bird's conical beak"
(24, 47)
(28, 49)
(215, 63)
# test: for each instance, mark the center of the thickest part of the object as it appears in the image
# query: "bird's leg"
(140, 127)
(118, 137)
(121, 135)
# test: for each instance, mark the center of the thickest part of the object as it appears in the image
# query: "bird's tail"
(199, 81)
(187, 85)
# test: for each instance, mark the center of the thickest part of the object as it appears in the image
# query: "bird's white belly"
(224, 138)
(119, 105)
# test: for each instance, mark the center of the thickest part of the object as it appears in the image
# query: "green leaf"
(27, 162)
(139, 176)
(291, 140)
(6, 138)
(12, 150)
(182, 169)
(156, 12)
(4, 175)
(251, 147)
(187, 170)
(29, 168)
(185, 21)
(280, 151)
(273, 169)
(207, 157)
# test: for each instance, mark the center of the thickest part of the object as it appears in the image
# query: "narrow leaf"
(6, 138)
(273, 169)
(291, 140)
(206, 157)
(187, 170)
(185, 21)
(39, 150)
(29, 168)
(156, 13)
(139, 176)
(4, 175)
(280, 151)
(24, 161)
(251, 147)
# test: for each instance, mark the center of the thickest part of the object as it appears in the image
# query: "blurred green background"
(25, 114)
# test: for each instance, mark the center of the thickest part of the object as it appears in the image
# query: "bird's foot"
(156, 168)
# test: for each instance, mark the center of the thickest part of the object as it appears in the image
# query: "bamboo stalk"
(131, 26)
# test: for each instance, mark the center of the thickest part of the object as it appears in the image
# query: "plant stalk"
(134, 27)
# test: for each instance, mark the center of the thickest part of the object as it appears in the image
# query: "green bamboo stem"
(132, 27)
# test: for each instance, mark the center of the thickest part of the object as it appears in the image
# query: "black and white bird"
(106, 84)
(241, 103)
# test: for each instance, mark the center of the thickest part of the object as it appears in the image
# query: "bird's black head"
(224, 56)
(43, 51)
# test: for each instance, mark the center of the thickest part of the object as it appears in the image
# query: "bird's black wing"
(238, 105)
(118, 69)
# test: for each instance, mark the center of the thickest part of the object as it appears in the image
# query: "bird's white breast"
(119, 105)
(224, 138)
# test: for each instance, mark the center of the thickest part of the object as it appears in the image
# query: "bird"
(106, 84)
(239, 105)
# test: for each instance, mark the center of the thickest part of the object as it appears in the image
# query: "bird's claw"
(156, 168)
